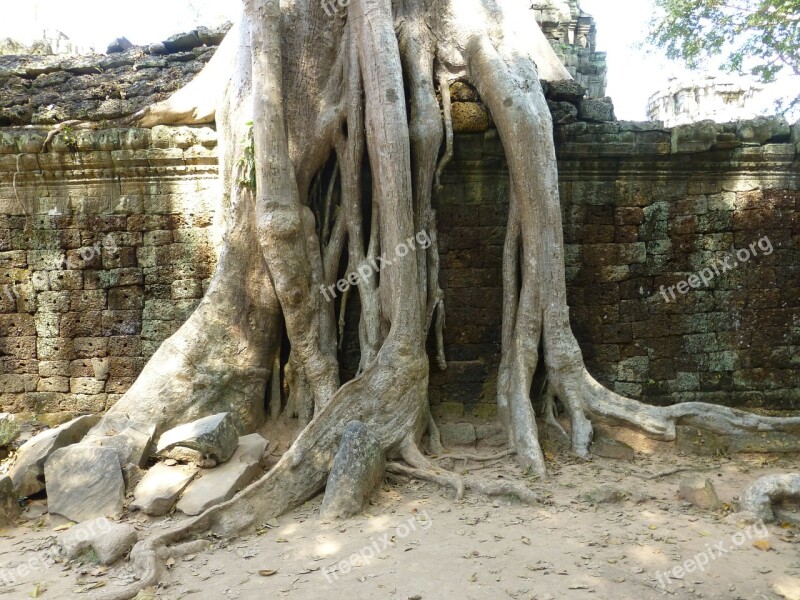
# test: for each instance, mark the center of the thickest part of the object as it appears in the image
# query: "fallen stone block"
(9, 429)
(214, 437)
(563, 112)
(120, 44)
(160, 488)
(9, 502)
(28, 470)
(217, 485)
(357, 470)
(700, 492)
(604, 495)
(110, 541)
(131, 445)
(84, 482)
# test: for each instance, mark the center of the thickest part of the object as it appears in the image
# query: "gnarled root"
(422, 468)
(758, 497)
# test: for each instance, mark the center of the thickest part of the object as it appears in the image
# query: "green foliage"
(69, 139)
(756, 37)
(247, 163)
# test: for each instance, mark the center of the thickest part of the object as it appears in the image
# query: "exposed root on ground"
(758, 497)
(419, 467)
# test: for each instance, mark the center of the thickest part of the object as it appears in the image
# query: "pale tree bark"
(329, 95)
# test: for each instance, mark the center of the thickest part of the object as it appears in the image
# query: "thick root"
(421, 468)
(758, 497)
(659, 422)
(388, 398)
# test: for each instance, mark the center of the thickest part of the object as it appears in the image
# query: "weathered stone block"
(110, 541)
(214, 436)
(457, 434)
(700, 492)
(598, 110)
(28, 470)
(84, 482)
(160, 488)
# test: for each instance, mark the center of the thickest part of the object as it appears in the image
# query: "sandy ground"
(416, 542)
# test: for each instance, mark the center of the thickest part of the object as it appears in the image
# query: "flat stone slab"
(215, 486)
(28, 470)
(160, 488)
(214, 437)
(110, 541)
(357, 470)
(9, 502)
(84, 482)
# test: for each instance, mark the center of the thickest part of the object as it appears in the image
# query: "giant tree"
(307, 98)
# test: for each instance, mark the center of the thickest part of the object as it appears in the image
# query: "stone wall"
(106, 246)
(644, 207)
(42, 90)
(105, 249)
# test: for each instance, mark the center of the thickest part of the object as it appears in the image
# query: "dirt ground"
(584, 540)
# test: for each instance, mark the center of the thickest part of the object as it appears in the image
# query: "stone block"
(700, 492)
(160, 488)
(84, 482)
(457, 434)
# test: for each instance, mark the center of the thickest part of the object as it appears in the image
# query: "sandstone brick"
(126, 298)
(53, 368)
(91, 403)
(122, 257)
(125, 366)
(86, 385)
(80, 324)
(124, 346)
(186, 288)
(119, 385)
(18, 347)
(90, 347)
(16, 325)
(53, 384)
(121, 322)
(53, 301)
(159, 310)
